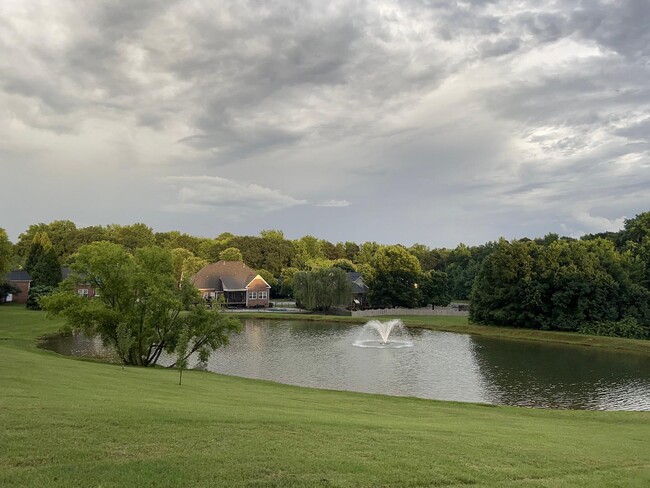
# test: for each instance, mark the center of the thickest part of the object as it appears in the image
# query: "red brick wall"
(91, 290)
(257, 286)
(24, 291)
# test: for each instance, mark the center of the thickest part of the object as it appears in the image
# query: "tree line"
(597, 284)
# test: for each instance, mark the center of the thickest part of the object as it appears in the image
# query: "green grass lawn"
(66, 422)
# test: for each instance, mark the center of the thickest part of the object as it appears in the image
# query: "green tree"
(36, 294)
(272, 234)
(6, 253)
(286, 281)
(40, 244)
(306, 249)
(63, 235)
(394, 280)
(231, 254)
(635, 238)
(46, 271)
(132, 236)
(344, 264)
(322, 288)
(138, 292)
(561, 285)
(44, 268)
(434, 288)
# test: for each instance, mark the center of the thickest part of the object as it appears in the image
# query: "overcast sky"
(414, 121)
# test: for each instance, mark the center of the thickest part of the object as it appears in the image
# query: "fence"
(453, 310)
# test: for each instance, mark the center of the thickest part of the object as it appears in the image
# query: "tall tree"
(138, 294)
(131, 236)
(394, 280)
(6, 253)
(434, 288)
(322, 288)
(6, 257)
(231, 254)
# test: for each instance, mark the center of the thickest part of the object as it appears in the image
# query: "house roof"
(356, 282)
(224, 276)
(18, 275)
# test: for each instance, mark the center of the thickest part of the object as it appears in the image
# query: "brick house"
(21, 280)
(82, 288)
(237, 283)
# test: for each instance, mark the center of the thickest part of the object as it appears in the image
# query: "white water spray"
(384, 329)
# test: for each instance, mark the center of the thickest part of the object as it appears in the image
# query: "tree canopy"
(141, 308)
(322, 288)
(231, 254)
(6, 253)
(565, 285)
(394, 280)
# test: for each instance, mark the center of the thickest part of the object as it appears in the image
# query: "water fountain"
(384, 329)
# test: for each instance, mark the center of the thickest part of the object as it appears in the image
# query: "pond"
(438, 365)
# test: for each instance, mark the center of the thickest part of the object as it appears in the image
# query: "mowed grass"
(66, 422)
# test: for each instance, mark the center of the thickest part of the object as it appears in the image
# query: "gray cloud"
(511, 118)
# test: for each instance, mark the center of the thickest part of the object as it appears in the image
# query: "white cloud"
(334, 203)
(202, 193)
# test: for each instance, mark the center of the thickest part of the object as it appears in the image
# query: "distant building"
(358, 290)
(82, 287)
(240, 285)
(21, 280)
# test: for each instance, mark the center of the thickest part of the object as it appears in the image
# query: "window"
(83, 292)
(252, 295)
(262, 295)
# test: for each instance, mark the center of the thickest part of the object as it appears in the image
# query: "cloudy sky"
(410, 121)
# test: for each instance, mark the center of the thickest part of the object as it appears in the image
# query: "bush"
(628, 328)
(35, 295)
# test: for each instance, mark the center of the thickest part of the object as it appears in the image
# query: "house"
(21, 280)
(81, 287)
(237, 283)
(358, 290)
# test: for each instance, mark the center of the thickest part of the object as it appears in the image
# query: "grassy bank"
(462, 326)
(75, 423)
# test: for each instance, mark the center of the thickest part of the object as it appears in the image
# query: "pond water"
(438, 365)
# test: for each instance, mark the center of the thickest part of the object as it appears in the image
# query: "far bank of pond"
(461, 325)
(439, 365)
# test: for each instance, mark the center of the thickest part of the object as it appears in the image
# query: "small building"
(240, 285)
(21, 280)
(82, 287)
(358, 290)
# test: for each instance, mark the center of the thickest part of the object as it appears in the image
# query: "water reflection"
(440, 365)
(562, 376)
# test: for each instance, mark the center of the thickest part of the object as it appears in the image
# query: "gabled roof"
(356, 282)
(18, 275)
(224, 276)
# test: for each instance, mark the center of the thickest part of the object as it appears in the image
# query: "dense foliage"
(550, 282)
(322, 288)
(142, 309)
(566, 285)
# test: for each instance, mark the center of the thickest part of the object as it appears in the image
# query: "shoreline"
(460, 325)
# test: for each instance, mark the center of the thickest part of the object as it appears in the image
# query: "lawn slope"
(66, 422)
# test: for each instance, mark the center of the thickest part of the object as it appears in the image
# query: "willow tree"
(322, 288)
(140, 309)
